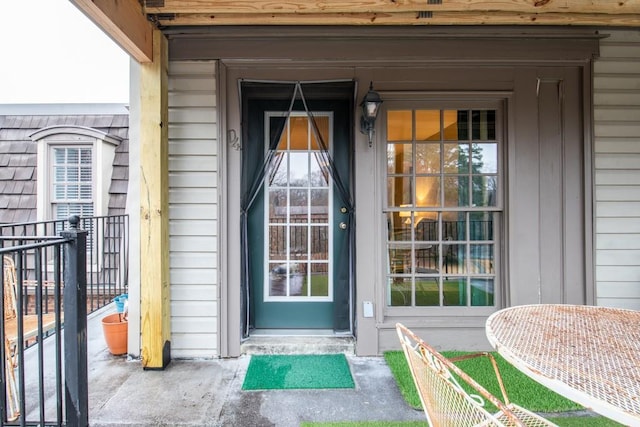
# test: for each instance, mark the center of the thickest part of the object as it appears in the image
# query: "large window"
(442, 207)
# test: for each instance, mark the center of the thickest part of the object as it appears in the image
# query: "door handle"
(343, 225)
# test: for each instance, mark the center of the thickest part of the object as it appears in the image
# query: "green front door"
(299, 256)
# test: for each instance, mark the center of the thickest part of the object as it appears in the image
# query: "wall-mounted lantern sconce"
(370, 105)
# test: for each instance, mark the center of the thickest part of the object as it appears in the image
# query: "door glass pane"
(299, 208)
(298, 199)
(299, 169)
(277, 205)
(278, 274)
(277, 242)
(319, 242)
(320, 206)
(278, 174)
(322, 123)
(297, 279)
(298, 245)
(319, 173)
(276, 125)
(299, 133)
(319, 279)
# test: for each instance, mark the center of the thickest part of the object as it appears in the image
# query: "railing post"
(75, 326)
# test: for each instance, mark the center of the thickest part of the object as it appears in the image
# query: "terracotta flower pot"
(115, 333)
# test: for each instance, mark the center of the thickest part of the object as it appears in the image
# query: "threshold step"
(298, 344)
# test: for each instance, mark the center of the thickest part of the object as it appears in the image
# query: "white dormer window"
(74, 171)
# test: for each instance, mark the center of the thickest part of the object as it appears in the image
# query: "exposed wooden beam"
(155, 313)
(125, 22)
(403, 18)
(368, 6)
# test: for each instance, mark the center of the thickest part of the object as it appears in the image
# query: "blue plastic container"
(120, 301)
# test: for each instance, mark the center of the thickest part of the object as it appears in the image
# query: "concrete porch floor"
(208, 393)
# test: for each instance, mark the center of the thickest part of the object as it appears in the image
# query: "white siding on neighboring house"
(617, 170)
(193, 209)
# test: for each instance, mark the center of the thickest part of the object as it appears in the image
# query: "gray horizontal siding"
(617, 170)
(193, 209)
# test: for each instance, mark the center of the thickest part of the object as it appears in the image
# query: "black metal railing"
(107, 251)
(34, 389)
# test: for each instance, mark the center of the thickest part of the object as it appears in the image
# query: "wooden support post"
(154, 208)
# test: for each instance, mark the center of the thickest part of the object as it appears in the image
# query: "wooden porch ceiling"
(393, 12)
(130, 22)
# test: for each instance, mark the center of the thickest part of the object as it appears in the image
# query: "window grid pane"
(72, 175)
(441, 247)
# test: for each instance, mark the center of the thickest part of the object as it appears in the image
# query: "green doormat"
(272, 372)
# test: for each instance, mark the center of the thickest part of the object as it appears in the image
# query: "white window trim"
(103, 147)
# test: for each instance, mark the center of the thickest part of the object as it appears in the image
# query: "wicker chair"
(445, 401)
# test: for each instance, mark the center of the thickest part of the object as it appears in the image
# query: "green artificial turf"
(520, 389)
(398, 366)
(307, 371)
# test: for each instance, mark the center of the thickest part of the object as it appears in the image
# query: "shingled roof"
(18, 160)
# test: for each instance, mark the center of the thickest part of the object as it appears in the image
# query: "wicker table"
(588, 354)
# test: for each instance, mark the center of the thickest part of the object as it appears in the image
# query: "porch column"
(154, 209)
